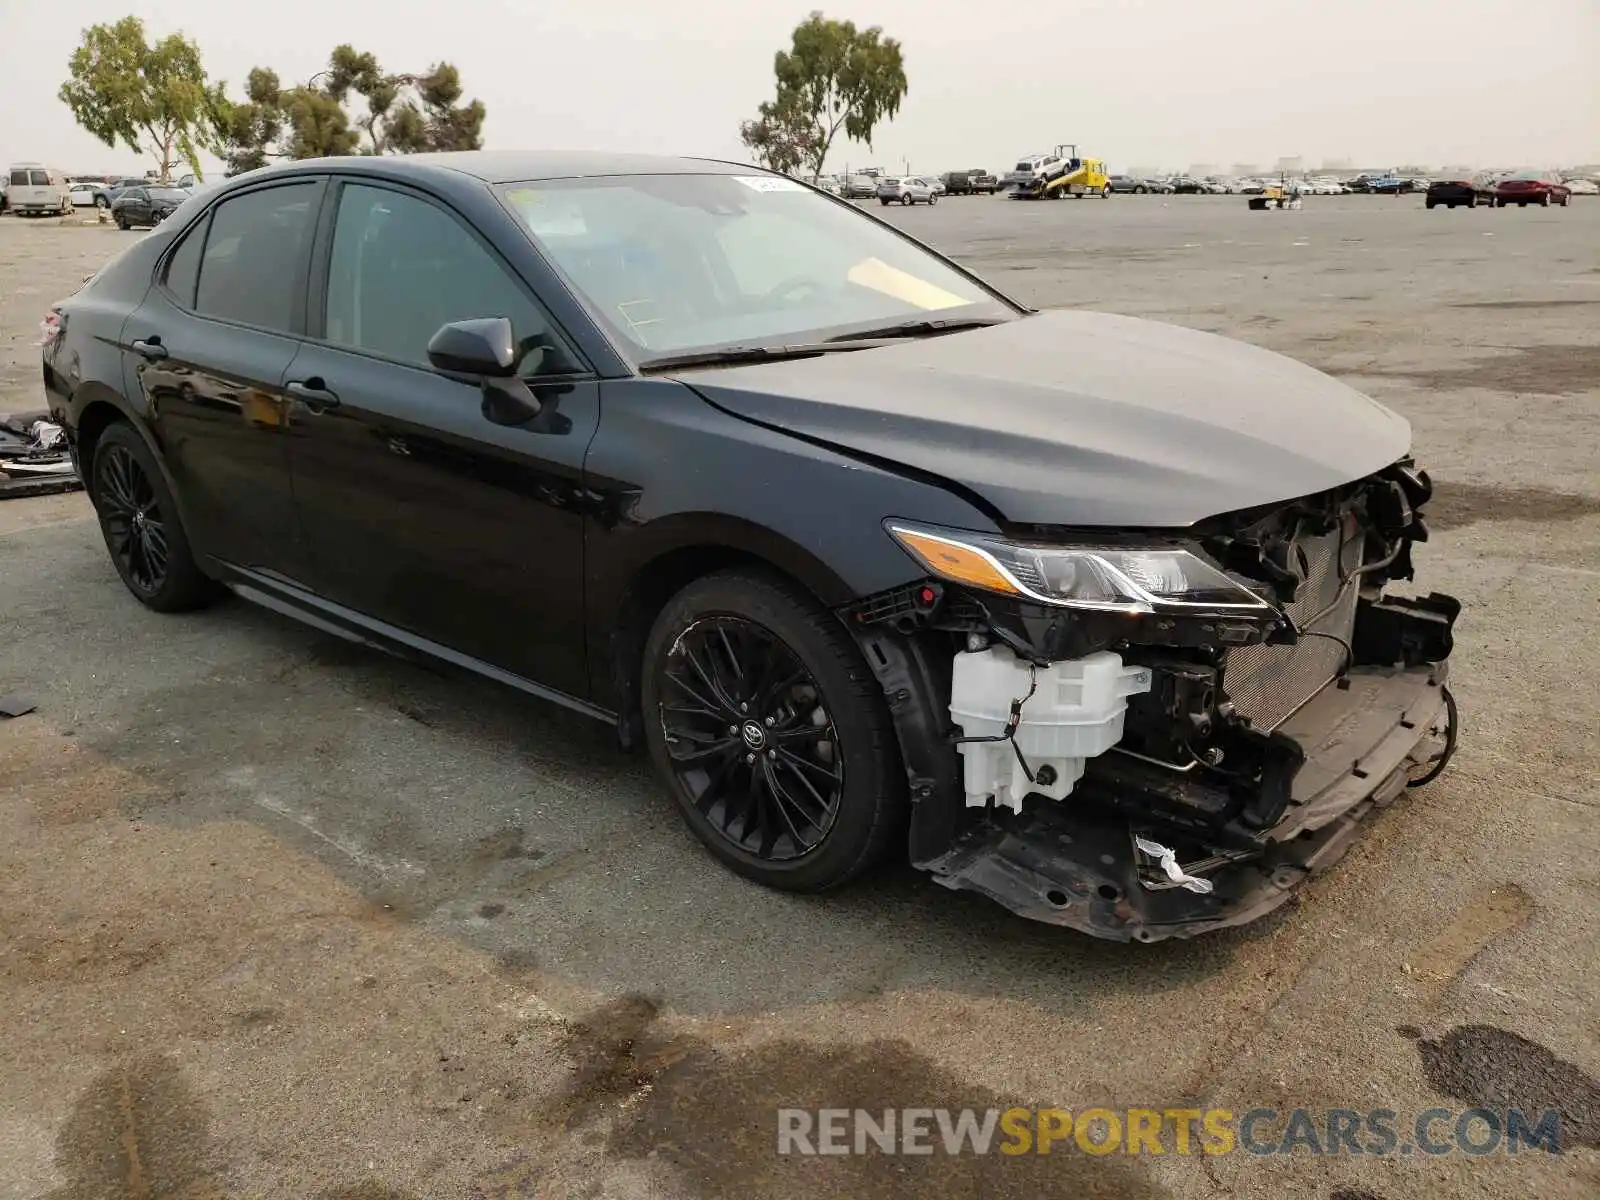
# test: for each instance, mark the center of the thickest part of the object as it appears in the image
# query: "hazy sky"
(1139, 82)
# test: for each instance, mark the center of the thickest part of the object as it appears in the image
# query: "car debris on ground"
(34, 460)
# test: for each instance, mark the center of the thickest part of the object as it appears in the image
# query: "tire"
(122, 221)
(906, 200)
(126, 480)
(933, 199)
(869, 801)
(1140, 190)
(1105, 192)
(101, 202)
(885, 203)
(1544, 200)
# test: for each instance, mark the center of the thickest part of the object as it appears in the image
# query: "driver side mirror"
(484, 346)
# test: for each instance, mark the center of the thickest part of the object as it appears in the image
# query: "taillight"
(51, 328)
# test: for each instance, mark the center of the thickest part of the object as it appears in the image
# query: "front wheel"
(933, 198)
(771, 732)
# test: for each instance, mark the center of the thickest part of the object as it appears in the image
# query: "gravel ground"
(285, 918)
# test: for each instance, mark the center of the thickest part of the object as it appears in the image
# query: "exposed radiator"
(1268, 683)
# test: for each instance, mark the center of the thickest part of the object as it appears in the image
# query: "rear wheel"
(1544, 200)
(771, 732)
(140, 523)
(1105, 192)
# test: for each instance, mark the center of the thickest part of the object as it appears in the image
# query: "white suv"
(1034, 168)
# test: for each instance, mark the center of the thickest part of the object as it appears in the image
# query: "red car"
(1523, 190)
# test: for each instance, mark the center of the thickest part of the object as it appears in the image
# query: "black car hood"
(1080, 418)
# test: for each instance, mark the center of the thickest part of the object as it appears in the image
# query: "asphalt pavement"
(283, 917)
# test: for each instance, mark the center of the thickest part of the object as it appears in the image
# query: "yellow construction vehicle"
(1060, 173)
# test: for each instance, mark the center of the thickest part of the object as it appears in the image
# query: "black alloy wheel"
(130, 514)
(771, 732)
(142, 528)
(750, 739)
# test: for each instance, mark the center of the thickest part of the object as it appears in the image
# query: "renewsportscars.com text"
(1258, 1131)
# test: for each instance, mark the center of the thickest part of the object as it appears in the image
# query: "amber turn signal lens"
(955, 562)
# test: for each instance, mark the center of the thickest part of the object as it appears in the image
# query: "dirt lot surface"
(279, 917)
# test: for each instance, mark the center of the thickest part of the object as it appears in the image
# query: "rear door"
(209, 350)
(420, 511)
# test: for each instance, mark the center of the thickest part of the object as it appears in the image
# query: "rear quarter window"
(183, 268)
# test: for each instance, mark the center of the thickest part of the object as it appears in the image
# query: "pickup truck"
(970, 183)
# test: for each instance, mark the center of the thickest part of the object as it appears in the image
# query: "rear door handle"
(149, 348)
(312, 394)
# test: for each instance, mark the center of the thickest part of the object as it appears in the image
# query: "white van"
(36, 188)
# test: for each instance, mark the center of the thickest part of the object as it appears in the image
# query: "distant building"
(1290, 166)
(1243, 169)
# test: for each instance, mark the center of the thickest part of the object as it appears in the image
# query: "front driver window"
(402, 267)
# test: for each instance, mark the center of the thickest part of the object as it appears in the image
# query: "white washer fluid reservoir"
(1075, 712)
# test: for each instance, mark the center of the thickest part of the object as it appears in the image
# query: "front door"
(419, 510)
(209, 350)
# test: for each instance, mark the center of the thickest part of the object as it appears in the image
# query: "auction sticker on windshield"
(545, 219)
(770, 183)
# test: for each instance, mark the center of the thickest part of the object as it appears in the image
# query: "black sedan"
(145, 206)
(1452, 192)
(1081, 612)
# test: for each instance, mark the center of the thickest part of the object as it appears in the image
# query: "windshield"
(689, 262)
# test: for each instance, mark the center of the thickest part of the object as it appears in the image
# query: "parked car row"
(36, 189)
(1522, 189)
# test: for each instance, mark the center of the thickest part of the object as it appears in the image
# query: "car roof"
(514, 166)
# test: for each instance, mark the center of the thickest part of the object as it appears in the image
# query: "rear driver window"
(251, 259)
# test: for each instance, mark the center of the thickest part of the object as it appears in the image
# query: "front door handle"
(149, 348)
(313, 394)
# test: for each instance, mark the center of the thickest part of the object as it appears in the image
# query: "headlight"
(1098, 577)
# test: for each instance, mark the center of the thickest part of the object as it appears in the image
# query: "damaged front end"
(1145, 737)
